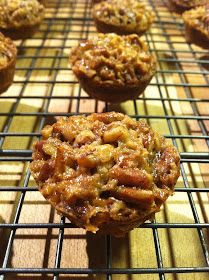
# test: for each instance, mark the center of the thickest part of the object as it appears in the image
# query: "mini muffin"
(8, 53)
(197, 26)
(106, 172)
(180, 6)
(113, 68)
(122, 17)
(20, 19)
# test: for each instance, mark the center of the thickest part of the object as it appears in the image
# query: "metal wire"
(165, 31)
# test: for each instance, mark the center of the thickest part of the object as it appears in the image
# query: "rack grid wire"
(176, 103)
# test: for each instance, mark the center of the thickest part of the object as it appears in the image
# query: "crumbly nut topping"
(18, 13)
(104, 168)
(113, 59)
(130, 14)
(198, 18)
(7, 50)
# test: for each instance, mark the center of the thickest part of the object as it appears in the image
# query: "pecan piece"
(143, 198)
(131, 177)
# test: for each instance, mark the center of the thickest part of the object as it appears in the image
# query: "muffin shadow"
(97, 253)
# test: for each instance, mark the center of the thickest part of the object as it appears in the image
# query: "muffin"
(106, 172)
(8, 54)
(19, 19)
(197, 26)
(113, 68)
(122, 17)
(180, 6)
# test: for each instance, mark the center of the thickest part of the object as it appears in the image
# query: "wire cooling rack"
(35, 243)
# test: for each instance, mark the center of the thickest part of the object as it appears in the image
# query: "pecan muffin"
(180, 6)
(113, 68)
(106, 172)
(122, 17)
(8, 54)
(19, 19)
(197, 26)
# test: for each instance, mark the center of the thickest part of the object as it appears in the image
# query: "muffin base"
(120, 30)
(104, 223)
(174, 7)
(96, 1)
(196, 37)
(7, 75)
(121, 229)
(23, 32)
(112, 93)
(43, 2)
(107, 225)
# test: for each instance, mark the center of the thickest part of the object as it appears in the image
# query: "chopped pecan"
(131, 177)
(141, 198)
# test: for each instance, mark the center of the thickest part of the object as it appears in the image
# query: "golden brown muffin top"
(18, 13)
(7, 50)
(110, 58)
(198, 18)
(130, 14)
